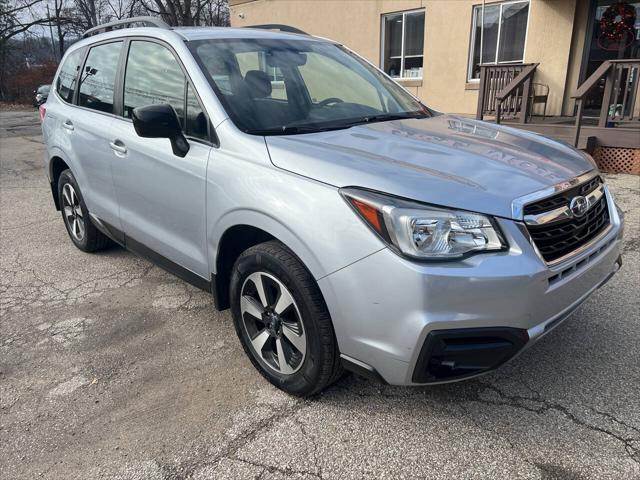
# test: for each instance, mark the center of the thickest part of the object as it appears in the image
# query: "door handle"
(118, 147)
(68, 124)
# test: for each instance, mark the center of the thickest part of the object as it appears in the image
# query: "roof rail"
(277, 26)
(145, 21)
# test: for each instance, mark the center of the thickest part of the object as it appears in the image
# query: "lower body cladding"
(409, 323)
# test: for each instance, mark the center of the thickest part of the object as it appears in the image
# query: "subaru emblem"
(579, 206)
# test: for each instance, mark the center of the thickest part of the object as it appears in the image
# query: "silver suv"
(346, 224)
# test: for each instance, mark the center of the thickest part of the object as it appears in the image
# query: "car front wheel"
(282, 320)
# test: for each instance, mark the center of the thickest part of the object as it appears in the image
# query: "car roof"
(196, 33)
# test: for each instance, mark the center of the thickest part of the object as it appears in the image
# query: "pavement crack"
(272, 469)
(614, 419)
(545, 406)
(241, 440)
(312, 438)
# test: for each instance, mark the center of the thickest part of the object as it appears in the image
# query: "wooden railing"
(505, 90)
(619, 102)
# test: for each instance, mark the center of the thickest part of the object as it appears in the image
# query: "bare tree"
(60, 19)
(119, 9)
(65, 20)
(16, 18)
(189, 12)
(88, 13)
(217, 13)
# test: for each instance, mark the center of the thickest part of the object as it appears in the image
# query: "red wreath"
(616, 25)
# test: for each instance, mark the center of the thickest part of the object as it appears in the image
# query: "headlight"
(423, 231)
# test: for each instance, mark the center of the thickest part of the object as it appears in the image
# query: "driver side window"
(153, 76)
(325, 78)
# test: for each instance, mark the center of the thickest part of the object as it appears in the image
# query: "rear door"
(89, 127)
(161, 195)
(60, 107)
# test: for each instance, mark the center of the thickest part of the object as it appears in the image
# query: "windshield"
(284, 87)
(44, 88)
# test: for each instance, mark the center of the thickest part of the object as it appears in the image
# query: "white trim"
(402, 55)
(526, 34)
(382, 40)
(404, 28)
(495, 60)
(481, 30)
(472, 43)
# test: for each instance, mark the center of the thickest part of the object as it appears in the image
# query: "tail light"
(43, 111)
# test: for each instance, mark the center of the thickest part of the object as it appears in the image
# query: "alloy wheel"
(73, 212)
(272, 321)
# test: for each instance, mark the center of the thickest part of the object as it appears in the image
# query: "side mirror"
(160, 121)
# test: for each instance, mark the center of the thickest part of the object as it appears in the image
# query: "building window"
(498, 35)
(403, 44)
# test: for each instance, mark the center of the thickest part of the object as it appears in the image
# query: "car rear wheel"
(282, 320)
(81, 230)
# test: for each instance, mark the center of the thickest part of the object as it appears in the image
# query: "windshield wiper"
(294, 129)
(385, 117)
(381, 117)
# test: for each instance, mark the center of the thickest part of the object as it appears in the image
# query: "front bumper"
(384, 307)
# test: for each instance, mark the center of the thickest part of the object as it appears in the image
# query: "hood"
(443, 160)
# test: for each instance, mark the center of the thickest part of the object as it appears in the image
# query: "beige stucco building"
(433, 47)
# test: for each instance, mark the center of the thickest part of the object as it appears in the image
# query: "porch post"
(576, 137)
(481, 93)
(526, 93)
(606, 98)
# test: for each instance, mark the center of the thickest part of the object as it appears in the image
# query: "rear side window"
(66, 81)
(98, 77)
(153, 76)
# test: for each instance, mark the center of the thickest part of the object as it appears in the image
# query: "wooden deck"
(507, 96)
(591, 135)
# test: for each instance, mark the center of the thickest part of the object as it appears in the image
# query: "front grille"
(563, 198)
(557, 239)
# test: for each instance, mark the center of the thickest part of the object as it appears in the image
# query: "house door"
(613, 33)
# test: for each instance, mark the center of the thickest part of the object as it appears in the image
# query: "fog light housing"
(459, 353)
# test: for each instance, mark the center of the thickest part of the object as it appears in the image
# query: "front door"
(161, 195)
(613, 33)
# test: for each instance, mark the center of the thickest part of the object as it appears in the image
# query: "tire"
(303, 373)
(75, 216)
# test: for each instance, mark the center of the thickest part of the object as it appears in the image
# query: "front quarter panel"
(311, 218)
